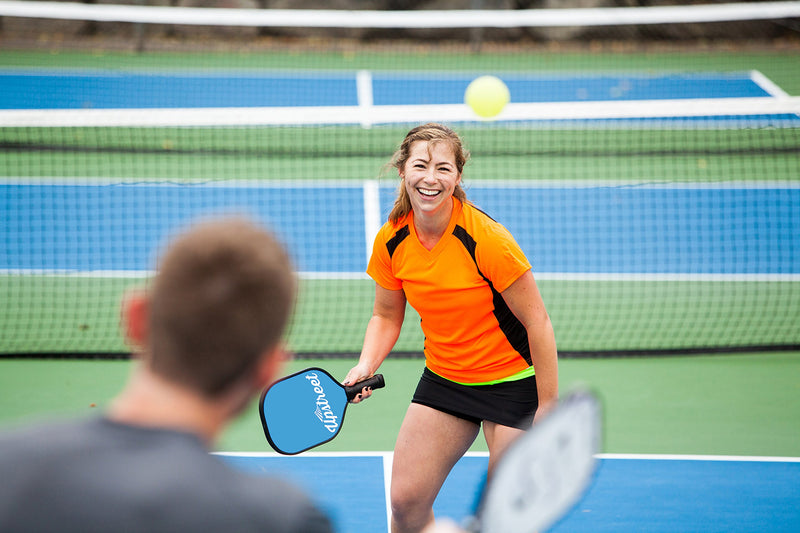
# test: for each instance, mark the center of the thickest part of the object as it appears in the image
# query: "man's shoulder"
(31, 437)
(278, 503)
(115, 471)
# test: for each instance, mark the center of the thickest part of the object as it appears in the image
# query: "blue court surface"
(87, 89)
(636, 229)
(629, 493)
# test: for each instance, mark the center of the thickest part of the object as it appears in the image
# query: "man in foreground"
(207, 334)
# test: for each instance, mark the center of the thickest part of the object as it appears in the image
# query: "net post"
(476, 33)
(139, 32)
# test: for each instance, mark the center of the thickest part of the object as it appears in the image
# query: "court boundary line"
(483, 454)
(372, 213)
(356, 276)
(364, 96)
(388, 462)
(772, 88)
(521, 183)
(564, 111)
(700, 457)
(348, 73)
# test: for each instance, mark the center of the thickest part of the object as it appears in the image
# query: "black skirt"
(511, 403)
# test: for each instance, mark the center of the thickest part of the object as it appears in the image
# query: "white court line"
(372, 213)
(388, 460)
(305, 454)
(139, 274)
(677, 457)
(767, 84)
(524, 183)
(129, 181)
(334, 276)
(387, 456)
(364, 94)
(399, 114)
(612, 276)
(521, 183)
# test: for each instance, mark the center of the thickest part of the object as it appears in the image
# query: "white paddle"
(545, 472)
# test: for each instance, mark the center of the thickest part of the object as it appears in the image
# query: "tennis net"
(659, 206)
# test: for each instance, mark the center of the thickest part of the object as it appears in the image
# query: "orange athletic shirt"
(471, 336)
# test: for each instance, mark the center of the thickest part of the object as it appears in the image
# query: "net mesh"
(653, 184)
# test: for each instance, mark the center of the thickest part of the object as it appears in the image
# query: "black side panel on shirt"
(395, 241)
(510, 325)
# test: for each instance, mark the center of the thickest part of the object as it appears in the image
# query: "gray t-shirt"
(98, 475)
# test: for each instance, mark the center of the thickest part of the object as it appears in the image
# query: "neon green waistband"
(522, 374)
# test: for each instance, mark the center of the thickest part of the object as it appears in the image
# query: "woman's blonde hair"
(432, 133)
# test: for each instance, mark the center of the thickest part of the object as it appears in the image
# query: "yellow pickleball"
(487, 96)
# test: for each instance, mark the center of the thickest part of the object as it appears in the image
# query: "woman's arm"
(383, 330)
(526, 303)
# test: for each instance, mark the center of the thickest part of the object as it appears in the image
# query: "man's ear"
(271, 365)
(135, 315)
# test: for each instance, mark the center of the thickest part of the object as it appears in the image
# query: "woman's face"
(430, 176)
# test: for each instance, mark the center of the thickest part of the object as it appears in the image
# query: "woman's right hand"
(360, 372)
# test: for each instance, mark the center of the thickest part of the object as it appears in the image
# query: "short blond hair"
(221, 299)
(431, 132)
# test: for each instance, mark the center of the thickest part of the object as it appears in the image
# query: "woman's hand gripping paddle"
(307, 409)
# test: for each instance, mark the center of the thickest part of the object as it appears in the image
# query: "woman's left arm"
(526, 303)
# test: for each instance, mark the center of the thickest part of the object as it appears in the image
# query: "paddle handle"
(375, 382)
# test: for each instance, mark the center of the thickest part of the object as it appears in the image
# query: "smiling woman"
(489, 346)
(417, 152)
(430, 176)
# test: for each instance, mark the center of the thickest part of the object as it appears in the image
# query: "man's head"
(220, 301)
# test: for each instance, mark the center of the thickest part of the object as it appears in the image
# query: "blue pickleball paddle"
(306, 409)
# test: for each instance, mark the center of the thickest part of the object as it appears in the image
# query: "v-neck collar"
(437, 249)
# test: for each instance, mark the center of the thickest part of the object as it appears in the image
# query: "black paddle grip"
(375, 382)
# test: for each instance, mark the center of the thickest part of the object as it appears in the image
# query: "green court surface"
(720, 405)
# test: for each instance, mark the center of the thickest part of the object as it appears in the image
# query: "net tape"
(326, 18)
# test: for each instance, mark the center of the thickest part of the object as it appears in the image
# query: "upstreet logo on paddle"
(323, 408)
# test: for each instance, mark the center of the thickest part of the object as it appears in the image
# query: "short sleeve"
(500, 258)
(380, 263)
